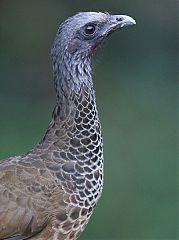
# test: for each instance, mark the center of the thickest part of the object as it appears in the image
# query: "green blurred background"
(136, 87)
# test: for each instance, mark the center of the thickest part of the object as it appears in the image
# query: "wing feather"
(21, 197)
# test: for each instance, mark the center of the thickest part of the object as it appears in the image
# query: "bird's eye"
(90, 29)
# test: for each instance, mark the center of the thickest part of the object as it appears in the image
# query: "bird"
(51, 191)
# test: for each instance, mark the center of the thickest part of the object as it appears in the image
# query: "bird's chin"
(94, 49)
(97, 45)
(101, 40)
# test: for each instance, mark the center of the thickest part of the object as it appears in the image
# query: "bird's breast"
(77, 152)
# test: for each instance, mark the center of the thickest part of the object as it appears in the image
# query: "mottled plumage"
(51, 191)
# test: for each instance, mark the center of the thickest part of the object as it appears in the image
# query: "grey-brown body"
(50, 192)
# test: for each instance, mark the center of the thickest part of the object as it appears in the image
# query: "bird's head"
(76, 40)
(84, 32)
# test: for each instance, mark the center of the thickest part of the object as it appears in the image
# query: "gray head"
(77, 39)
(85, 31)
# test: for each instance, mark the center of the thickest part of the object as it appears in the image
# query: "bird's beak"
(119, 21)
(114, 22)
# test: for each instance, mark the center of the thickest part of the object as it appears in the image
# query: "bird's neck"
(71, 74)
(75, 96)
(73, 138)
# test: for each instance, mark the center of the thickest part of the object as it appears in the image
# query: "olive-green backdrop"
(135, 75)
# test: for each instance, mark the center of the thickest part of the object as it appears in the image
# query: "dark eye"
(90, 29)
